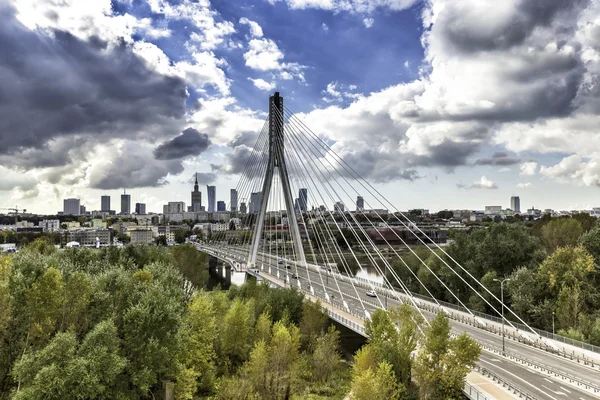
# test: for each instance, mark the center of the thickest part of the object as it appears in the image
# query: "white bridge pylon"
(276, 160)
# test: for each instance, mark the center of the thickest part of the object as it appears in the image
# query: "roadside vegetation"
(129, 324)
(553, 265)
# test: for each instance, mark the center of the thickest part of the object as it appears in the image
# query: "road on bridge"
(538, 384)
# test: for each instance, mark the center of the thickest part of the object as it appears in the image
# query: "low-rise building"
(50, 225)
(89, 236)
(140, 234)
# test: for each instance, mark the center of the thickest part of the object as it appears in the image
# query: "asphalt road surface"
(540, 385)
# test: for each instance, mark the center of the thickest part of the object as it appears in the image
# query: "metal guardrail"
(544, 368)
(432, 308)
(523, 394)
(473, 394)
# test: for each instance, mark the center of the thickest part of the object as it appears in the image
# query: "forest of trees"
(553, 266)
(127, 324)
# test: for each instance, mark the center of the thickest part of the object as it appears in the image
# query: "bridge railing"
(473, 393)
(522, 393)
(366, 283)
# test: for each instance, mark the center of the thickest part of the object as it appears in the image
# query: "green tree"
(192, 264)
(161, 240)
(443, 362)
(591, 242)
(375, 384)
(313, 321)
(78, 291)
(561, 232)
(326, 357)
(196, 353)
(45, 304)
(236, 334)
(566, 266)
(65, 369)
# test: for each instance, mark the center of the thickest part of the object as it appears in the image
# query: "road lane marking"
(566, 390)
(518, 377)
(555, 392)
(548, 380)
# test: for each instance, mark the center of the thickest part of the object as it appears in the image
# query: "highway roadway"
(540, 385)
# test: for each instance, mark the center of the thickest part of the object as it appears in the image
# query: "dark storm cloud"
(527, 16)
(189, 143)
(499, 158)
(58, 85)
(133, 167)
(448, 154)
(235, 162)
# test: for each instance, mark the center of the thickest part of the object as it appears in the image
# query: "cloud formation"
(482, 183)
(498, 158)
(189, 143)
(107, 92)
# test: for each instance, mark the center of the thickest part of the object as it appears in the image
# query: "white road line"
(555, 392)
(518, 377)
(548, 380)
(566, 390)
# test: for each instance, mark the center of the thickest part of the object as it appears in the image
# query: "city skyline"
(430, 113)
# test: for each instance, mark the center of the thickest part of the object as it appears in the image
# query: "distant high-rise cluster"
(233, 205)
(125, 203)
(196, 198)
(105, 203)
(212, 198)
(302, 200)
(360, 203)
(515, 204)
(71, 206)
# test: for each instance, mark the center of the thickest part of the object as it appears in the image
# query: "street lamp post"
(552, 324)
(502, 301)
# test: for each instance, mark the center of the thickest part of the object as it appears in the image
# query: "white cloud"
(325, 27)
(368, 22)
(205, 70)
(351, 6)
(573, 169)
(264, 55)
(211, 33)
(482, 183)
(255, 28)
(83, 19)
(504, 169)
(526, 185)
(529, 168)
(223, 120)
(333, 92)
(262, 84)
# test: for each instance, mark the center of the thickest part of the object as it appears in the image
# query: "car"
(288, 266)
(371, 293)
(295, 276)
(279, 261)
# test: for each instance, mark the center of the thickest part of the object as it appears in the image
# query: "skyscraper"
(105, 203)
(196, 197)
(233, 207)
(212, 198)
(71, 206)
(243, 208)
(140, 208)
(515, 204)
(302, 200)
(221, 206)
(125, 203)
(360, 203)
(255, 199)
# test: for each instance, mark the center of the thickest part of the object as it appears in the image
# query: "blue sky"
(473, 102)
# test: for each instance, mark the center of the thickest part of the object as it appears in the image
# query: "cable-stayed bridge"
(314, 243)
